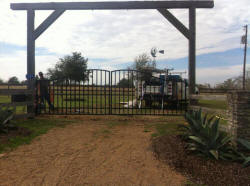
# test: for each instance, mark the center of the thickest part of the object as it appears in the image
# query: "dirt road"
(90, 152)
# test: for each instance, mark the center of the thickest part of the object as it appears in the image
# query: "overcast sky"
(112, 39)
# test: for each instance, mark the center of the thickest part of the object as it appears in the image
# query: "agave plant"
(5, 115)
(195, 123)
(246, 145)
(205, 138)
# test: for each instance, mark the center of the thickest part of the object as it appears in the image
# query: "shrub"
(5, 114)
(205, 138)
(246, 145)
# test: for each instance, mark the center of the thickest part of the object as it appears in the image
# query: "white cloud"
(16, 65)
(217, 75)
(122, 35)
(13, 66)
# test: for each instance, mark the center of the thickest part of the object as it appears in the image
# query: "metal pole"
(192, 52)
(31, 55)
(245, 57)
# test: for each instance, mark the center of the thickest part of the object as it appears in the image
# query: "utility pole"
(244, 41)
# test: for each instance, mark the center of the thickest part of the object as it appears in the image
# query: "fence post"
(239, 114)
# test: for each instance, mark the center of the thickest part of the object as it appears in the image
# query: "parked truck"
(162, 90)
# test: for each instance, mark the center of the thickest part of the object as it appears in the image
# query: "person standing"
(44, 91)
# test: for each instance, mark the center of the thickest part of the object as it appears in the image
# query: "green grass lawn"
(169, 125)
(165, 126)
(36, 126)
(213, 104)
(7, 99)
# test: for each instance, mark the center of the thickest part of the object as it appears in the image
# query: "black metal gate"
(120, 92)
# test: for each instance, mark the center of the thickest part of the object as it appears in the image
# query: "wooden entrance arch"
(162, 6)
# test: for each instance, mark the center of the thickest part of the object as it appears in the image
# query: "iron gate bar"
(70, 105)
(71, 91)
(95, 90)
(92, 91)
(83, 93)
(119, 92)
(66, 96)
(88, 93)
(74, 96)
(79, 96)
(61, 95)
(110, 93)
(128, 93)
(49, 84)
(132, 92)
(105, 92)
(70, 94)
(57, 97)
(115, 92)
(101, 92)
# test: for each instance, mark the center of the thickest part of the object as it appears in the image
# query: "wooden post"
(192, 52)
(31, 56)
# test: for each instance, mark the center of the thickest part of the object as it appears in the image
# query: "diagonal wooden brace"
(177, 24)
(47, 22)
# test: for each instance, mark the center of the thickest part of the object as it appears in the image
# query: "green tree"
(235, 83)
(228, 84)
(13, 80)
(143, 61)
(1, 81)
(71, 67)
(24, 82)
(125, 83)
(145, 65)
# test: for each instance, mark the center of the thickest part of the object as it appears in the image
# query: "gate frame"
(58, 89)
(161, 6)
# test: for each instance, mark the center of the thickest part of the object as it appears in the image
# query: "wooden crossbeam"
(47, 22)
(108, 5)
(177, 24)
